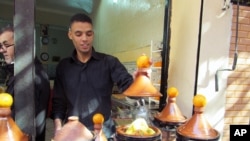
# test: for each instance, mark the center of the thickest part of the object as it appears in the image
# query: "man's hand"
(146, 72)
(57, 125)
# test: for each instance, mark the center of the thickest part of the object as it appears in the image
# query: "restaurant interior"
(187, 42)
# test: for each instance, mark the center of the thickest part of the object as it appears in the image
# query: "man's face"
(82, 35)
(7, 46)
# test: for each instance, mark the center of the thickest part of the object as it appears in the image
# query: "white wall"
(125, 28)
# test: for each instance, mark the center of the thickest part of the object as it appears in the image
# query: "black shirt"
(42, 94)
(83, 89)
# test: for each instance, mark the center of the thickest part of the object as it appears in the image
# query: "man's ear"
(70, 35)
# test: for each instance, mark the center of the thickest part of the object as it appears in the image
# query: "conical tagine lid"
(9, 131)
(142, 85)
(171, 112)
(198, 127)
(73, 130)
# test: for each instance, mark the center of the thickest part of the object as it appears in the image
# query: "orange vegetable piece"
(199, 100)
(172, 92)
(6, 100)
(98, 118)
(143, 61)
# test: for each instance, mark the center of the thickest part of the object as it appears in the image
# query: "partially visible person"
(42, 86)
(84, 81)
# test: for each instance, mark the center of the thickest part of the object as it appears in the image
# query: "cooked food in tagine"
(139, 127)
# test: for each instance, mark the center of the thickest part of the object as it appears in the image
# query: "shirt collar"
(94, 55)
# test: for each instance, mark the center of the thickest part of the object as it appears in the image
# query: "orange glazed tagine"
(142, 85)
(197, 128)
(9, 131)
(171, 113)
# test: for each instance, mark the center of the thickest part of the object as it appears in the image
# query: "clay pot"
(197, 128)
(73, 130)
(171, 113)
(9, 131)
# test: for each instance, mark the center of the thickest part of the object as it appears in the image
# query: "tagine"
(73, 130)
(9, 131)
(98, 120)
(198, 128)
(138, 130)
(171, 114)
(142, 85)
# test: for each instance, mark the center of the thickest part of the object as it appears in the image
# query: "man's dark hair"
(8, 27)
(80, 17)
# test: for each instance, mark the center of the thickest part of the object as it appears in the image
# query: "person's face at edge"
(7, 46)
(82, 35)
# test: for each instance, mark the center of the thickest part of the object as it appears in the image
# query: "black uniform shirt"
(83, 89)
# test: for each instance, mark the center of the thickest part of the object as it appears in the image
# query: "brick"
(244, 27)
(247, 74)
(243, 81)
(229, 94)
(228, 120)
(233, 100)
(232, 81)
(247, 61)
(240, 120)
(245, 8)
(242, 68)
(243, 20)
(244, 54)
(245, 100)
(244, 13)
(241, 34)
(244, 113)
(242, 94)
(232, 113)
(236, 74)
(241, 61)
(241, 48)
(229, 107)
(242, 107)
(236, 87)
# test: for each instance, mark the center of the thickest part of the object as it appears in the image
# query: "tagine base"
(180, 137)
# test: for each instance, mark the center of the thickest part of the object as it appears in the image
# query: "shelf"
(155, 67)
(157, 84)
(156, 51)
(156, 56)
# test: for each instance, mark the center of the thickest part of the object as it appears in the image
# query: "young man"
(84, 81)
(42, 86)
